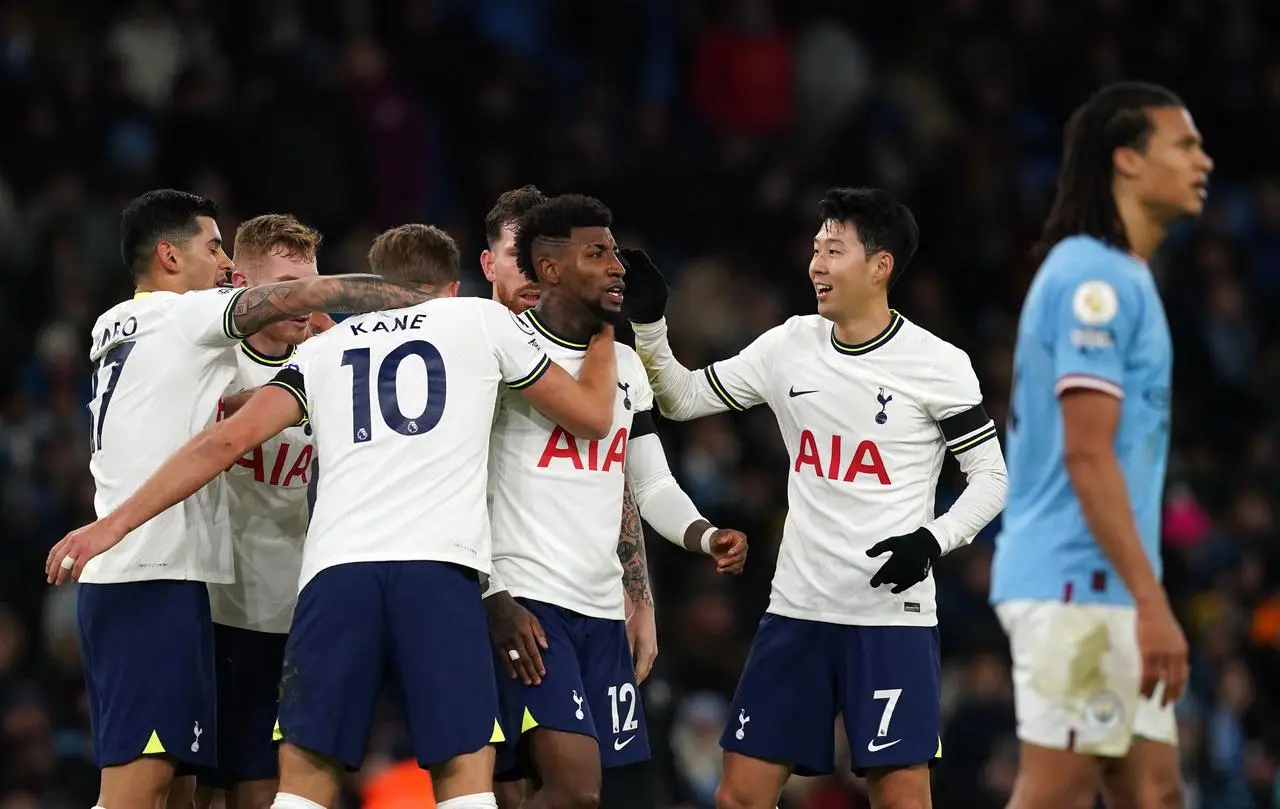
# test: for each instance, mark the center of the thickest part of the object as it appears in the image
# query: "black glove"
(645, 299)
(913, 555)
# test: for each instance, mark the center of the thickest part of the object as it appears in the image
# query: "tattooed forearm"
(260, 306)
(635, 568)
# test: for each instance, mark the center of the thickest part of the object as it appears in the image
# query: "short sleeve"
(956, 404)
(205, 318)
(520, 357)
(290, 379)
(1090, 322)
(741, 381)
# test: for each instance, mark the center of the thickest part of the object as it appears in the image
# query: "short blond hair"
(275, 234)
(415, 254)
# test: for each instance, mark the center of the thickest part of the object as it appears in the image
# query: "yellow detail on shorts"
(497, 737)
(939, 753)
(277, 735)
(154, 747)
(528, 723)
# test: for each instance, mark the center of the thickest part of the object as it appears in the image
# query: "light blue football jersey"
(1092, 318)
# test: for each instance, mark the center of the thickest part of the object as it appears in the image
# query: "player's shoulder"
(1080, 259)
(930, 356)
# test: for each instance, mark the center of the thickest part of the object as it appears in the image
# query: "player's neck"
(160, 282)
(1143, 230)
(268, 347)
(863, 325)
(568, 319)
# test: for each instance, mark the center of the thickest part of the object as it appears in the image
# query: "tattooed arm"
(635, 567)
(260, 306)
(642, 627)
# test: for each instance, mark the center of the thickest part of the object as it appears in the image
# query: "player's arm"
(232, 402)
(583, 406)
(260, 306)
(682, 394)
(196, 463)
(1094, 324)
(666, 507)
(635, 564)
(737, 383)
(970, 435)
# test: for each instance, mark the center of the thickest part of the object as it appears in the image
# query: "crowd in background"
(711, 129)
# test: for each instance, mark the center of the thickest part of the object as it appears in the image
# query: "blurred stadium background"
(710, 128)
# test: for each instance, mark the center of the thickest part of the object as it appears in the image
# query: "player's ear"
(239, 279)
(1127, 161)
(169, 256)
(486, 264)
(548, 270)
(451, 291)
(883, 267)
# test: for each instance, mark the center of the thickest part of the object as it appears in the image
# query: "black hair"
(508, 208)
(882, 222)
(156, 216)
(1112, 118)
(555, 219)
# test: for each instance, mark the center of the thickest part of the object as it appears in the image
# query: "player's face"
(592, 272)
(1172, 176)
(270, 270)
(843, 275)
(202, 262)
(511, 288)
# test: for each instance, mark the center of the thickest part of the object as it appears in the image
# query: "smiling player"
(867, 403)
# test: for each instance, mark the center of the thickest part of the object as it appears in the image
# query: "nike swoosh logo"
(618, 744)
(794, 393)
(872, 747)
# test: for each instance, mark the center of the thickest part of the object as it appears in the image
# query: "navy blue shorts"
(422, 623)
(248, 669)
(589, 688)
(147, 649)
(801, 674)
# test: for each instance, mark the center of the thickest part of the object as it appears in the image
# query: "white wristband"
(706, 539)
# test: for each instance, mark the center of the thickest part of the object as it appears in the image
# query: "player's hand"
(642, 636)
(1163, 647)
(319, 323)
(514, 629)
(645, 298)
(729, 549)
(74, 550)
(912, 555)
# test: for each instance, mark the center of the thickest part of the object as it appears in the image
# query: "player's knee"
(1164, 794)
(572, 796)
(733, 796)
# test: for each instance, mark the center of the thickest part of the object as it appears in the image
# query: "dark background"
(711, 128)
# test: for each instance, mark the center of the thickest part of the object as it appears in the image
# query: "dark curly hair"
(555, 219)
(882, 222)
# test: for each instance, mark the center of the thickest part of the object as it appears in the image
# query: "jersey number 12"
(387, 395)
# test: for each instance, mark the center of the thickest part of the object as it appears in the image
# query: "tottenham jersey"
(556, 500)
(268, 505)
(401, 404)
(161, 361)
(865, 427)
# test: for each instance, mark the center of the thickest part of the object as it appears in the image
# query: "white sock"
(286, 801)
(480, 800)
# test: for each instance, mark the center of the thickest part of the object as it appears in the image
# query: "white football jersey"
(161, 362)
(556, 500)
(863, 426)
(269, 512)
(401, 405)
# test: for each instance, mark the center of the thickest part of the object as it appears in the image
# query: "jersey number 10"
(387, 394)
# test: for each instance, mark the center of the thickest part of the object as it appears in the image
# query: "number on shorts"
(387, 395)
(625, 693)
(113, 359)
(891, 696)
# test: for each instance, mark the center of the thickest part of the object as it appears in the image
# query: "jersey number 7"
(388, 396)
